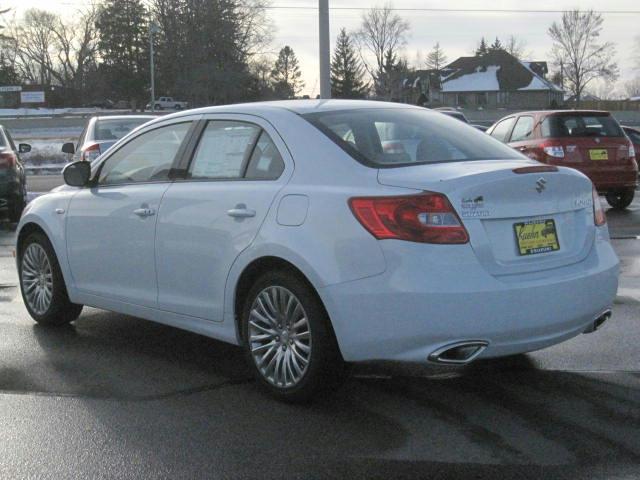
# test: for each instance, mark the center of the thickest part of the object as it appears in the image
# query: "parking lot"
(112, 395)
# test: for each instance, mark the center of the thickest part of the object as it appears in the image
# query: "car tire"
(620, 200)
(288, 340)
(42, 284)
(157, 107)
(17, 206)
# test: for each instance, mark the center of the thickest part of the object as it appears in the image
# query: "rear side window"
(502, 129)
(222, 150)
(580, 125)
(398, 136)
(523, 129)
(633, 135)
(266, 162)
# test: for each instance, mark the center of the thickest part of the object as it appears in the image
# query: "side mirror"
(77, 174)
(24, 148)
(68, 148)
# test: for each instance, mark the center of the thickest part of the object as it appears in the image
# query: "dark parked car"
(13, 184)
(102, 132)
(460, 116)
(589, 141)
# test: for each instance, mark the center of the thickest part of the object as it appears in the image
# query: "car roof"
(296, 106)
(124, 117)
(564, 112)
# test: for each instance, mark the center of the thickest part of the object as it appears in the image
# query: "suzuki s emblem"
(541, 185)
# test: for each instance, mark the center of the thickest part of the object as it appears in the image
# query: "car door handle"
(241, 212)
(144, 212)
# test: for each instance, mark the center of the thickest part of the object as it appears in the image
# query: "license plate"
(536, 236)
(598, 154)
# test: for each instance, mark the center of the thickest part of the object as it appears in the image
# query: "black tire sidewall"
(620, 200)
(325, 362)
(61, 310)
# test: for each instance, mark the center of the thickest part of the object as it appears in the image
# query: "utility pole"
(325, 49)
(153, 28)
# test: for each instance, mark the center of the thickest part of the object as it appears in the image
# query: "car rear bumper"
(425, 301)
(614, 178)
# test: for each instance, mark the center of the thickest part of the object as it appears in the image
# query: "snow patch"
(479, 81)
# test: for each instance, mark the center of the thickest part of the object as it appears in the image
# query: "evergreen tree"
(124, 48)
(286, 75)
(436, 59)
(496, 46)
(347, 73)
(482, 48)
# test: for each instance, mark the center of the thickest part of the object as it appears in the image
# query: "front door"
(111, 226)
(210, 217)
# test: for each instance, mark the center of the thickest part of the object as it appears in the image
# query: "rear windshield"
(397, 137)
(116, 129)
(580, 126)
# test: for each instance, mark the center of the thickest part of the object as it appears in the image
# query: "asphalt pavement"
(112, 396)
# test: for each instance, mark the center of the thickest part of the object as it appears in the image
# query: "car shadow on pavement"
(494, 412)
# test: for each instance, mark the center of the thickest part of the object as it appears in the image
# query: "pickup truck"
(168, 102)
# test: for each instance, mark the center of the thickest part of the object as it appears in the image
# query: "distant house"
(494, 80)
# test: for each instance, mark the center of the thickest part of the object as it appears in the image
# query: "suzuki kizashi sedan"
(294, 230)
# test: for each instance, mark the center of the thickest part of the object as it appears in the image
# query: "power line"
(448, 10)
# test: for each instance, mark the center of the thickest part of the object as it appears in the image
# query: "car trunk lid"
(494, 202)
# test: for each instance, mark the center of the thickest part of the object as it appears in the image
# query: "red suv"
(589, 141)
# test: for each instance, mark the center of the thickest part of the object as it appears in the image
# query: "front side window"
(222, 150)
(502, 129)
(396, 137)
(146, 158)
(523, 129)
(110, 129)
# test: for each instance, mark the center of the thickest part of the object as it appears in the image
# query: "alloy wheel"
(279, 336)
(37, 278)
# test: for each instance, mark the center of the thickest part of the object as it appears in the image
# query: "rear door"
(211, 215)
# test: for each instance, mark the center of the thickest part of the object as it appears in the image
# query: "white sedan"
(308, 233)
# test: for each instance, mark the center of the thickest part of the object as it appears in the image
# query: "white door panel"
(110, 241)
(202, 228)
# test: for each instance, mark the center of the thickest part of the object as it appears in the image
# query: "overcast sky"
(457, 32)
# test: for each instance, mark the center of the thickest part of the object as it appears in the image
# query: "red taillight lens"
(599, 218)
(426, 218)
(90, 153)
(7, 160)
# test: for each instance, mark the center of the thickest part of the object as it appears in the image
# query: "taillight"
(632, 151)
(555, 151)
(599, 217)
(90, 153)
(427, 217)
(8, 160)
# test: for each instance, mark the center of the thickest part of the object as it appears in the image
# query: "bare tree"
(381, 36)
(77, 46)
(436, 59)
(576, 46)
(632, 88)
(517, 47)
(34, 43)
(255, 28)
(636, 52)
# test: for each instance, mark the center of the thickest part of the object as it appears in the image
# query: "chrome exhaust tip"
(459, 353)
(599, 321)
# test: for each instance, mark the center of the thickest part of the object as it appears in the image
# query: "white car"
(286, 228)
